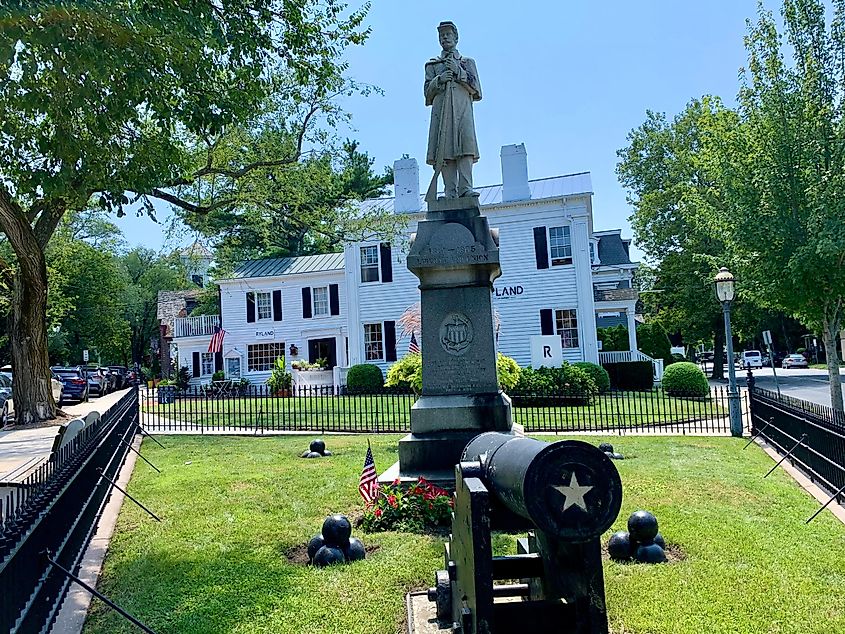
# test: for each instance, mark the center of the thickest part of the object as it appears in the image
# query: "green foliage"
(280, 379)
(508, 371)
(406, 372)
(219, 375)
(599, 375)
(685, 379)
(631, 375)
(365, 376)
(653, 341)
(183, 377)
(613, 338)
(421, 508)
(574, 384)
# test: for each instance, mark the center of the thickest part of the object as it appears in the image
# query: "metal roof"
(553, 187)
(273, 267)
(612, 249)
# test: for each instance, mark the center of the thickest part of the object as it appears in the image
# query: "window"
(262, 356)
(560, 245)
(566, 325)
(373, 342)
(207, 363)
(265, 305)
(593, 253)
(369, 264)
(320, 297)
(233, 368)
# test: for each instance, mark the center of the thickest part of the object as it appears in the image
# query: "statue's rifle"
(439, 160)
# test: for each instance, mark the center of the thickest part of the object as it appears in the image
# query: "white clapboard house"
(559, 277)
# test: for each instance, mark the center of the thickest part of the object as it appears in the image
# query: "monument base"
(461, 412)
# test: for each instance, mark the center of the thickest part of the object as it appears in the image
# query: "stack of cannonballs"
(641, 542)
(335, 545)
(607, 448)
(316, 450)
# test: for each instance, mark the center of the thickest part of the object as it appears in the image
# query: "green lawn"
(233, 506)
(392, 412)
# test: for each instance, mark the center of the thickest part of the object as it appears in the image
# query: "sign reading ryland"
(546, 350)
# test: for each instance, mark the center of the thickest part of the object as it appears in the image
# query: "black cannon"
(566, 494)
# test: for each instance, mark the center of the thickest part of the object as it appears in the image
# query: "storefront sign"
(265, 334)
(508, 291)
(546, 350)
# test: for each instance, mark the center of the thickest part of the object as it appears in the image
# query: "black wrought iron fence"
(812, 435)
(255, 409)
(55, 510)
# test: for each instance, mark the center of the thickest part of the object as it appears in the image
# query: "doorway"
(323, 349)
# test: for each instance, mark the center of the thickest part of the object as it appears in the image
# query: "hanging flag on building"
(368, 486)
(216, 343)
(413, 346)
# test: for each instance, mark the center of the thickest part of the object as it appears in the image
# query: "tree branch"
(184, 204)
(48, 221)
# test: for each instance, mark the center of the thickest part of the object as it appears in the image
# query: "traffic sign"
(767, 337)
(85, 356)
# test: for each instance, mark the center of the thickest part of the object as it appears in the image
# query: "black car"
(74, 381)
(120, 373)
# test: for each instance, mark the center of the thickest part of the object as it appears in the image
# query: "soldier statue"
(451, 85)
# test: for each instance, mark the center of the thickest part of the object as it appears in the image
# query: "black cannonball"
(305, 453)
(650, 554)
(328, 556)
(316, 543)
(327, 453)
(606, 447)
(318, 446)
(642, 525)
(619, 546)
(355, 550)
(314, 454)
(658, 539)
(617, 456)
(337, 530)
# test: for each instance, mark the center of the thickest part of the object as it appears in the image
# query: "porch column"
(632, 329)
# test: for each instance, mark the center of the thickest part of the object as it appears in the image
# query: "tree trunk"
(718, 354)
(32, 393)
(831, 328)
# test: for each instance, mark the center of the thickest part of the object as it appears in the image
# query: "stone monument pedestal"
(455, 255)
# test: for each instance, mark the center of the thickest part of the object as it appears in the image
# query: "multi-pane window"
(592, 252)
(233, 367)
(373, 342)
(207, 359)
(369, 264)
(262, 356)
(566, 325)
(320, 299)
(265, 305)
(560, 245)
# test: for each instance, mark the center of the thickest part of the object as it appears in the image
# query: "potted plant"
(280, 379)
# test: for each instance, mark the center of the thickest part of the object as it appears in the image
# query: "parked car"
(794, 361)
(7, 404)
(132, 378)
(120, 373)
(111, 377)
(751, 359)
(75, 382)
(97, 382)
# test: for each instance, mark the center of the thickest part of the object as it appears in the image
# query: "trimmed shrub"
(631, 375)
(508, 370)
(365, 376)
(544, 385)
(599, 375)
(685, 379)
(407, 372)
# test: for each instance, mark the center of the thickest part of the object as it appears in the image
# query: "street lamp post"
(725, 294)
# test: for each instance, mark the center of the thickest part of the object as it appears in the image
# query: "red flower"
(396, 482)
(377, 512)
(391, 499)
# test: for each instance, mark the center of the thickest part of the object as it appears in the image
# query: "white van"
(751, 359)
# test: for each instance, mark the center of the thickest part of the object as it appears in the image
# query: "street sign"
(767, 337)
(85, 356)
(546, 350)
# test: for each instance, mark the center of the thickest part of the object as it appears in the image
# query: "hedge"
(685, 379)
(598, 374)
(364, 376)
(630, 375)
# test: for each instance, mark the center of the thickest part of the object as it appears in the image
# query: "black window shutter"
(277, 305)
(196, 360)
(306, 302)
(334, 299)
(541, 249)
(390, 341)
(386, 262)
(218, 361)
(250, 307)
(547, 322)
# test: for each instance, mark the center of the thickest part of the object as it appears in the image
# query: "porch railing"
(195, 326)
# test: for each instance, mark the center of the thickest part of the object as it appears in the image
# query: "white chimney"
(406, 185)
(514, 173)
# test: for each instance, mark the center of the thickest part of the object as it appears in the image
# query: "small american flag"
(413, 346)
(216, 343)
(368, 485)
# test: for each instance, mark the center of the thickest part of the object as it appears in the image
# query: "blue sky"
(568, 79)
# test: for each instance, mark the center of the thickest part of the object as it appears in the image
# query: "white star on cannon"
(574, 493)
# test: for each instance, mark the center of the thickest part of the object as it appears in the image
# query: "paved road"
(807, 384)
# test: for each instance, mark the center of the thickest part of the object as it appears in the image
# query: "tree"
(784, 172)
(117, 103)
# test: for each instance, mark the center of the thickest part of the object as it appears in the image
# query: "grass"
(387, 412)
(233, 506)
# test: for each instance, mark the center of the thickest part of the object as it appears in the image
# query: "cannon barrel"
(568, 489)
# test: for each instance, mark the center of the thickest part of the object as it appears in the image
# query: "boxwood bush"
(568, 384)
(364, 376)
(631, 375)
(685, 379)
(598, 374)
